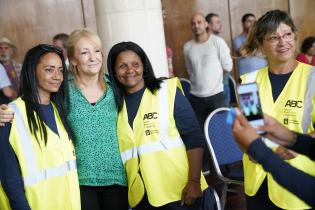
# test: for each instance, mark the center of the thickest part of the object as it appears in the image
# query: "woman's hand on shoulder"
(5, 115)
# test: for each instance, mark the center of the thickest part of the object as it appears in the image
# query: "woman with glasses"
(159, 136)
(37, 159)
(287, 92)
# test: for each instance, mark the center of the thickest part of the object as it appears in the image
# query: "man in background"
(61, 41)
(248, 63)
(207, 56)
(12, 68)
(215, 27)
(215, 24)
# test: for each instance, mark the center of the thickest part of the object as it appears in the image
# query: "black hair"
(247, 15)
(268, 23)
(210, 16)
(29, 90)
(150, 81)
(307, 44)
(63, 37)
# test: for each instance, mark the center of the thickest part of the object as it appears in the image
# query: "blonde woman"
(92, 116)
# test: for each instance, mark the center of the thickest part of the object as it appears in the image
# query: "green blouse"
(95, 132)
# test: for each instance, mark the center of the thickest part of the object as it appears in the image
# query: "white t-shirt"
(4, 79)
(205, 63)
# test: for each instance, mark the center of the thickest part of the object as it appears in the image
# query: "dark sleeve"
(10, 174)
(305, 145)
(291, 178)
(187, 123)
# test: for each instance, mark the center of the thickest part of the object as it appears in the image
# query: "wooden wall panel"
(177, 23)
(303, 14)
(178, 29)
(258, 7)
(30, 22)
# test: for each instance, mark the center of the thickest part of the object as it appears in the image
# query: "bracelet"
(194, 181)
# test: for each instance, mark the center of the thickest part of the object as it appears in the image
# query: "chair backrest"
(220, 140)
(186, 86)
(233, 93)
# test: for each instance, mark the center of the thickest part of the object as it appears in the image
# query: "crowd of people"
(73, 137)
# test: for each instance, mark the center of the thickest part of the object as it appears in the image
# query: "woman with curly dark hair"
(307, 54)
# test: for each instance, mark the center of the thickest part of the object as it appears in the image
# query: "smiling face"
(87, 57)
(49, 75)
(129, 71)
(198, 25)
(279, 46)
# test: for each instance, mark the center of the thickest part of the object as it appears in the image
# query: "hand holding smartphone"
(250, 105)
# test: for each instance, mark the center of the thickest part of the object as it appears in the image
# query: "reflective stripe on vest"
(33, 175)
(151, 147)
(251, 77)
(165, 143)
(308, 105)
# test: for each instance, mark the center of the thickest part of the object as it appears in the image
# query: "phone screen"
(250, 103)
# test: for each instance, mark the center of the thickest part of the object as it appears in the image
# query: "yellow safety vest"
(294, 107)
(48, 171)
(153, 153)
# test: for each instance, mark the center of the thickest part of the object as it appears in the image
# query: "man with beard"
(207, 56)
(12, 68)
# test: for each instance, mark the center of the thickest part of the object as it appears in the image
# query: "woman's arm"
(289, 177)
(305, 144)
(190, 132)
(10, 174)
(296, 181)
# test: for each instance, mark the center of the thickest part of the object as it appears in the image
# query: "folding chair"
(223, 150)
(186, 86)
(210, 200)
(233, 93)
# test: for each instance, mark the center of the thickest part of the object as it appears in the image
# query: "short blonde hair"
(74, 38)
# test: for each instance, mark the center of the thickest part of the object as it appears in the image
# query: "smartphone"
(250, 105)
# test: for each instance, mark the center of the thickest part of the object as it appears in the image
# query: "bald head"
(198, 15)
(198, 24)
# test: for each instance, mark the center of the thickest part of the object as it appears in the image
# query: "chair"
(233, 93)
(210, 200)
(223, 150)
(186, 86)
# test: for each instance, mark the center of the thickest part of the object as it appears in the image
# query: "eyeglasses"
(50, 48)
(275, 39)
(132, 65)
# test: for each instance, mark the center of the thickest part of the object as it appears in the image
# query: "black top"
(278, 82)
(185, 118)
(296, 181)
